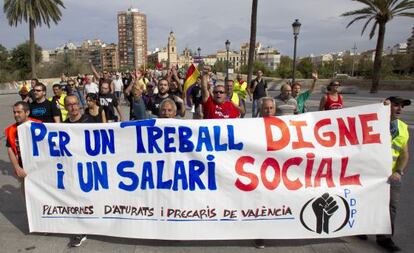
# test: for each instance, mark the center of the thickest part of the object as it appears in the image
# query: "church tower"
(172, 50)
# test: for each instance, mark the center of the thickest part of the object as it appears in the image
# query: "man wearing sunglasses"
(41, 108)
(216, 105)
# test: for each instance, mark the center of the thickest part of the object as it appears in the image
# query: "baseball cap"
(399, 100)
(24, 91)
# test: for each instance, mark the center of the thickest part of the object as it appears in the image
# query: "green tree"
(285, 68)
(6, 73)
(346, 64)
(381, 12)
(364, 67)
(252, 46)
(220, 66)
(71, 65)
(387, 66)
(402, 63)
(257, 65)
(200, 66)
(21, 58)
(325, 70)
(36, 12)
(305, 67)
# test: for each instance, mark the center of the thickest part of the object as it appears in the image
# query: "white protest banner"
(315, 175)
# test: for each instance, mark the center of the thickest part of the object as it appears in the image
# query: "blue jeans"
(118, 95)
(254, 108)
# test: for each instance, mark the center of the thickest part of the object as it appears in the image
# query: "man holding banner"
(21, 113)
(75, 116)
(400, 136)
(267, 109)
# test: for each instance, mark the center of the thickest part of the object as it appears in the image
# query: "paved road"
(14, 235)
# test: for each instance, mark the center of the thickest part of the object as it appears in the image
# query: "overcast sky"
(208, 24)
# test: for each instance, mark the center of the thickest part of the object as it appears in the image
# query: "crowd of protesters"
(101, 95)
(97, 98)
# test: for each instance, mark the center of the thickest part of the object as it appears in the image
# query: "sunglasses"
(218, 92)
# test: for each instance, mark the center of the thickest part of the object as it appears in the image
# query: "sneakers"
(77, 240)
(388, 244)
(259, 244)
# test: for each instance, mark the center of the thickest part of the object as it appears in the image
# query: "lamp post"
(296, 28)
(227, 43)
(199, 55)
(65, 50)
(353, 60)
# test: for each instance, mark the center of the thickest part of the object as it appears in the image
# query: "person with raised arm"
(216, 105)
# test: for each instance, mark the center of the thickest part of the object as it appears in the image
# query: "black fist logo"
(324, 207)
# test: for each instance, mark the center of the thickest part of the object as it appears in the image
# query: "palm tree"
(381, 12)
(36, 12)
(252, 46)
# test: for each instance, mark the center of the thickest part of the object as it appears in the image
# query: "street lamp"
(353, 60)
(199, 52)
(227, 43)
(296, 28)
(65, 50)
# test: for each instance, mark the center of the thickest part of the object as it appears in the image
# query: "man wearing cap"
(23, 89)
(400, 135)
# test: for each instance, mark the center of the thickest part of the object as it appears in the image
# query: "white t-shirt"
(91, 88)
(118, 84)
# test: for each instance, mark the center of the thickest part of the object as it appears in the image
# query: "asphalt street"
(14, 236)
